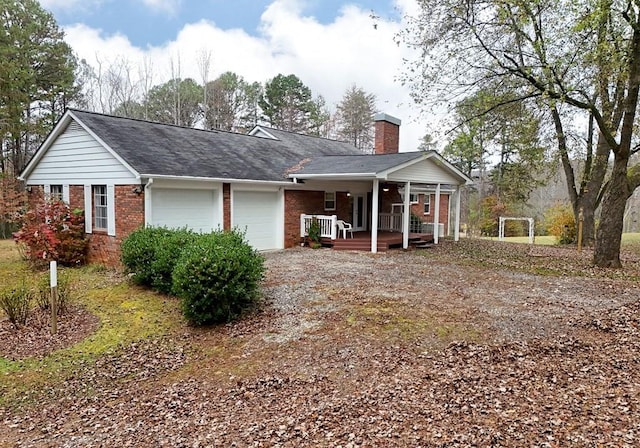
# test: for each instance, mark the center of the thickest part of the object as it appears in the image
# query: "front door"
(359, 220)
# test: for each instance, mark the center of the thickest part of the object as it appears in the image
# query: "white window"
(100, 210)
(55, 192)
(413, 198)
(427, 204)
(329, 200)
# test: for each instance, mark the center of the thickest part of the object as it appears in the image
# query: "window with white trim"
(413, 198)
(427, 204)
(100, 209)
(329, 200)
(55, 192)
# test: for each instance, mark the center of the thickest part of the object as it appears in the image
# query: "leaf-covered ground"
(470, 344)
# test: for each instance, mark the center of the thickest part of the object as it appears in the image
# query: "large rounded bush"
(217, 277)
(138, 252)
(150, 254)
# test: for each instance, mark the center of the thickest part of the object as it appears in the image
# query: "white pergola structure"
(504, 219)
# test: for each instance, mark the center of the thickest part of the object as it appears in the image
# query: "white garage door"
(258, 213)
(176, 208)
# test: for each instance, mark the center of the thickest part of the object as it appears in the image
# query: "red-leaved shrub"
(52, 231)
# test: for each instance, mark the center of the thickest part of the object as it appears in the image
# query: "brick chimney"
(387, 140)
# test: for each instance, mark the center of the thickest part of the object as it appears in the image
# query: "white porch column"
(374, 217)
(436, 216)
(334, 227)
(406, 215)
(456, 230)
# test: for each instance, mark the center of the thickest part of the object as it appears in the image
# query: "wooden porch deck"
(386, 241)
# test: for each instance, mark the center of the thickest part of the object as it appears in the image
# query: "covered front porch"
(390, 200)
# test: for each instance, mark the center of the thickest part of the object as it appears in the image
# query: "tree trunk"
(609, 234)
(586, 202)
(590, 190)
(585, 195)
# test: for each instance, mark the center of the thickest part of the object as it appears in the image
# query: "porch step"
(358, 244)
(422, 245)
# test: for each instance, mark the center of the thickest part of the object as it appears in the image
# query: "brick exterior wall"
(387, 137)
(393, 197)
(226, 201)
(344, 207)
(129, 207)
(298, 202)
(418, 210)
(76, 196)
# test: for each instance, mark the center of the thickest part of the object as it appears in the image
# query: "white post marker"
(53, 282)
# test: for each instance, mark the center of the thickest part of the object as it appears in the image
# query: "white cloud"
(326, 57)
(66, 5)
(168, 6)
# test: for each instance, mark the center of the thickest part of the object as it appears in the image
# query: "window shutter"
(88, 212)
(111, 210)
(65, 194)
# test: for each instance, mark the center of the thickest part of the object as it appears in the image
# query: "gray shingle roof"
(355, 164)
(161, 149)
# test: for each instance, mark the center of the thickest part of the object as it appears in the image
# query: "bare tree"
(113, 89)
(355, 118)
(175, 78)
(204, 65)
(146, 81)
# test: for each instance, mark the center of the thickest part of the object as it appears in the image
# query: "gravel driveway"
(361, 350)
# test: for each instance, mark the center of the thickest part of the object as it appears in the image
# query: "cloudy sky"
(328, 44)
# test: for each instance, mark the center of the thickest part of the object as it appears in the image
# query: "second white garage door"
(177, 208)
(259, 214)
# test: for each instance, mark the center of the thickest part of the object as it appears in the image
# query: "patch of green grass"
(126, 314)
(544, 240)
(401, 322)
(549, 240)
(630, 238)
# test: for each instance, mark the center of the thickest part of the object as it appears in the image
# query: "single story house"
(126, 173)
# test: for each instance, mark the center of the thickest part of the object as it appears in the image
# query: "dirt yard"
(452, 347)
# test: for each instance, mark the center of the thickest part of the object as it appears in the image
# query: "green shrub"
(315, 233)
(561, 223)
(43, 295)
(217, 277)
(168, 250)
(138, 252)
(16, 302)
(149, 254)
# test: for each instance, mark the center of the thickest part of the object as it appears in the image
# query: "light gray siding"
(76, 158)
(424, 171)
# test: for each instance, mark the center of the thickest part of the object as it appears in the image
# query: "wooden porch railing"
(391, 222)
(328, 225)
